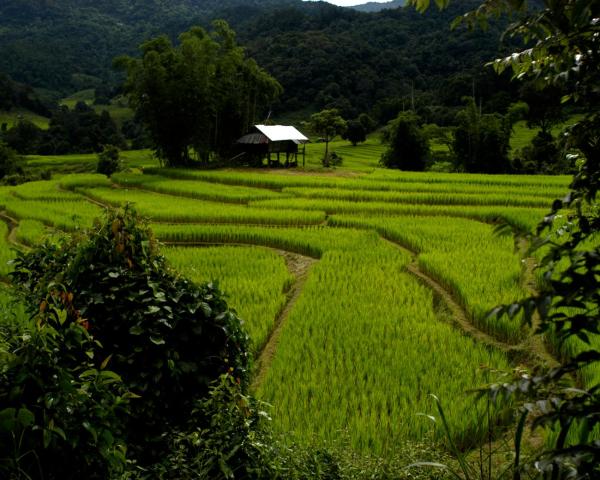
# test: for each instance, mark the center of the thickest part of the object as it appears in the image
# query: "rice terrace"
(363, 290)
(299, 240)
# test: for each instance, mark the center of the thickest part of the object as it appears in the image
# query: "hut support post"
(303, 154)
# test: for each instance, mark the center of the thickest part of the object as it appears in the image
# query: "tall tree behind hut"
(196, 98)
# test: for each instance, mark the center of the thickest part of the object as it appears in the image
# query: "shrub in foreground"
(166, 337)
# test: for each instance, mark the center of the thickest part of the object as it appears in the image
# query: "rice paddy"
(327, 259)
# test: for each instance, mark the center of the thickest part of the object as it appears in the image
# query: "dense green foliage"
(355, 132)
(162, 334)
(14, 95)
(80, 130)
(198, 97)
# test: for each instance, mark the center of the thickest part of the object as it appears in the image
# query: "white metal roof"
(278, 133)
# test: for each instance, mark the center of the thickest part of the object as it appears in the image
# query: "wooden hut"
(273, 141)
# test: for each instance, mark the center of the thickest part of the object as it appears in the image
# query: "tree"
(327, 124)
(481, 141)
(367, 122)
(199, 95)
(545, 107)
(563, 41)
(24, 137)
(543, 156)
(8, 161)
(408, 145)
(355, 133)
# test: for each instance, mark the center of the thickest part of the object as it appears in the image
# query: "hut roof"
(281, 133)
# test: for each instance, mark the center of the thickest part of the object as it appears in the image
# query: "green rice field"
(357, 269)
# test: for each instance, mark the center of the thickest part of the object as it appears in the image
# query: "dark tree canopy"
(481, 141)
(408, 145)
(355, 133)
(545, 106)
(196, 97)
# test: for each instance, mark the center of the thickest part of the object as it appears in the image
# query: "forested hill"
(69, 44)
(322, 54)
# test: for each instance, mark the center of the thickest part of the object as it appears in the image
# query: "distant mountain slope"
(378, 6)
(69, 44)
(324, 56)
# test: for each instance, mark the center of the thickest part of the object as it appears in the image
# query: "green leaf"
(90, 429)
(157, 341)
(26, 418)
(47, 437)
(7, 419)
(136, 330)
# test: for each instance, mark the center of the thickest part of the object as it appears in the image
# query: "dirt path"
(12, 231)
(299, 266)
(458, 313)
(531, 351)
(536, 343)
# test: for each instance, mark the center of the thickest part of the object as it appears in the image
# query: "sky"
(348, 3)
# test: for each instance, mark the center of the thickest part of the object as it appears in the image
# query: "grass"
(173, 209)
(520, 217)
(87, 162)
(14, 116)
(360, 352)
(422, 198)
(480, 268)
(7, 251)
(86, 96)
(48, 191)
(254, 279)
(63, 215)
(32, 232)
(365, 342)
(195, 189)
(523, 135)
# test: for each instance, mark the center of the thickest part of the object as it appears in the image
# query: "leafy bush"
(166, 337)
(58, 398)
(8, 161)
(543, 156)
(335, 160)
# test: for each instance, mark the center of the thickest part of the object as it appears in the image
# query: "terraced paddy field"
(363, 290)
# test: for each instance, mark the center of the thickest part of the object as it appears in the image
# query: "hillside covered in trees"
(324, 56)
